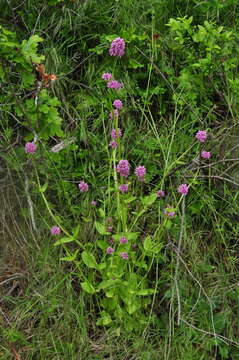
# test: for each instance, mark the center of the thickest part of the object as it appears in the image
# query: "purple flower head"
(30, 147)
(110, 228)
(160, 193)
(118, 104)
(205, 154)
(168, 211)
(84, 187)
(183, 189)
(123, 168)
(93, 203)
(201, 136)
(115, 134)
(124, 255)
(106, 76)
(114, 114)
(55, 230)
(140, 172)
(117, 47)
(124, 188)
(109, 250)
(123, 240)
(113, 144)
(114, 84)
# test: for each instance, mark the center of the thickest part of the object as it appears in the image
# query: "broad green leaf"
(134, 64)
(105, 319)
(107, 283)
(148, 243)
(101, 228)
(88, 287)
(132, 235)
(89, 260)
(101, 212)
(156, 248)
(102, 266)
(145, 292)
(134, 306)
(102, 244)
(76, 231)
(63, 241)
(129, 199)
(149, 200)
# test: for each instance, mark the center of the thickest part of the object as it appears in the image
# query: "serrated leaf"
(89, 260)
(63, 241)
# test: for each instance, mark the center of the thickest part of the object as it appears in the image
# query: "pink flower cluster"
(183, 189)
(30, 147)
(168, 211)
(140, 172)
(201, 136)
(115, 134)
(83, 186)
(55, 230)
(124, 188)
(160, 193)
(117, 47)
(117, 104)
(205, 154)
(106, 76)
(123, 168)
(111, 83)
(114, 84)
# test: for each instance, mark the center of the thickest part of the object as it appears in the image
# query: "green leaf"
(133, 64)
(43, 188)
(145, 292)
(29, 49)
(63, 241)
(106, 284)
(76, 231)
(88, 287)
(149, 200)
(101, 213)
(89, 260)
(70, 258)
(132, 235)
(147, 243)
(105, 319)
(129, 199)
(101, 228)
